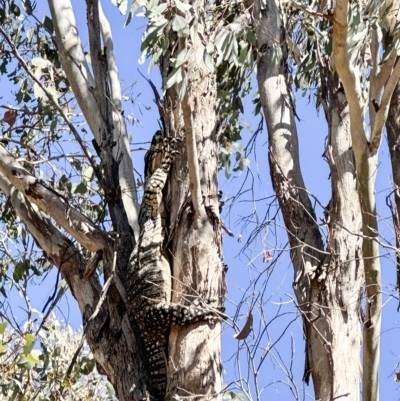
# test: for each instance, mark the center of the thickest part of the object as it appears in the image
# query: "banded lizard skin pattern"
(149, 276)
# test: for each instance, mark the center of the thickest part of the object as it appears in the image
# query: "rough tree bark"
(327, 280)
(194, 366)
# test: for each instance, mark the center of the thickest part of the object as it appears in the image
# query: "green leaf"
(143, 57)
(28, 361)
(360, 35)
(20, 269)
(87, 173)
(29, 34)
(86, 365)
(28, 7)
(174, 77)
(2, 349)
(160, 9)
(134, 7)
(30, 340)
(80, 188)
(276, 53)
(231, 396)
(225, 150)
(14, 9)
(220, 39)
(183, 6)
(152, 4)
(66, 383)
(235, 51)
(243, 163)
(227, 45)
(244, 48)
(180, 26)
(208, 57)
(56, 353)
(48, 24)
(3, 326)
(257, 102)
(110, 390)
(39, 62)
(239, 147)
(53, 125)
(152, 35)
(182, 57)
(154, 59)
(121, 4)
(251, 38)
(355, 18)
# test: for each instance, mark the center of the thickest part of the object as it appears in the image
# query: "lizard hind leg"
(169, 313)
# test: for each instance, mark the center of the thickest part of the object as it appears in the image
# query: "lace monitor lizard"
(149, 276)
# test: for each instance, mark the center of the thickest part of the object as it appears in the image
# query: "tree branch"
(122, 150)
(381, 115)
(52, 203)
(82, 82)
(347, 75)
(74, 62)
(51, 99)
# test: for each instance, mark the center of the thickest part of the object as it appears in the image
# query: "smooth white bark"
(366, 167)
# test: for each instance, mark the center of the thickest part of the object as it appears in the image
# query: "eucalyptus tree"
(82, 207)
(349, 51)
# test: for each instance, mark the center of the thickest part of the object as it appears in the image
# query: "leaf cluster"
(225, 33)
(31, 127)
(35, 365)
(311, 36)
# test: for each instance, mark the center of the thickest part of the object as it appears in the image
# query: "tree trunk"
(327, 284)
(345, 273)
(194, 364)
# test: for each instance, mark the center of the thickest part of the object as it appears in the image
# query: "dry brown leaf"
(246, 329)
(10, 117)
